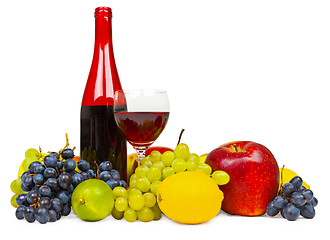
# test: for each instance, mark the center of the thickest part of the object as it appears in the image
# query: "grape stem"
(97, 172)
(180, 136)
(281, 185)
(67, 143)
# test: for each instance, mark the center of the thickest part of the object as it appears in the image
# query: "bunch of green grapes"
(156, 167)
(31, 155)
(140, 200)
(133, 204)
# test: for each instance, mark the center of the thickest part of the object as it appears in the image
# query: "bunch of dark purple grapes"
(49, 186)
(293, 200)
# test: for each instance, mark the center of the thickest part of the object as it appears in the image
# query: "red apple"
(254, 176)
(159, 149)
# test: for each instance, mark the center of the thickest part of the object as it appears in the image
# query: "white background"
(234, 70)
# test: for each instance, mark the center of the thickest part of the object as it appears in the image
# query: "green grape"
(167, 158)
(181, 151)
(146, 161)
(145, 214)
(191, 165)
(15, 186)
(136, 201)
(155, 156)
(168, 171)
(141, 171)
(179, 165)
(149, 199)
(130, 215)
(157, 212)
(116, 214)
(154, 174)
(32, 152)
(13, 201)
(194, 157)
(121, 204)
(120, 192)
(154, 187)
(27, 161)
(205, 168)
(133, 190)
(159, 164)
(220, 177)
(143, 184)
(132, 183)
(133, 176)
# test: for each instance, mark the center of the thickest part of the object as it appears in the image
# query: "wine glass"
(141, 116)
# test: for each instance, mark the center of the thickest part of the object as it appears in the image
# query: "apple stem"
(180, 136)
(235, 147)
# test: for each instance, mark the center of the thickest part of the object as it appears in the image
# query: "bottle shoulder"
(102, 84)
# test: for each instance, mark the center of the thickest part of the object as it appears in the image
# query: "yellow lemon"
(189, 197)
(288, 175)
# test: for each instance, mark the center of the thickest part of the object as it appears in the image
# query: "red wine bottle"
(100, 138)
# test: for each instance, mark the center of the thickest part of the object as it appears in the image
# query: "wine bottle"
(100, 139)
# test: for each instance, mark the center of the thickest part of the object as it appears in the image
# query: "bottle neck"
(103, 33)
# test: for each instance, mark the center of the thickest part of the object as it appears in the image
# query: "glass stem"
(141, 154)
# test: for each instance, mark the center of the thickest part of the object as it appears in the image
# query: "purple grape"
(29, 214)
(56, 204)
(69, 165)
(297, 199)
(83, 165)
(296, 182)
(45, 191)
(65, 180)
(105, 166)
(42, 215)
(67, 153)
(307, 211)
(38, 179)
(314, 201)
(280, 202)
(50, 173)
(105, 176)
(308, 195)
(32, 196)
(50, 161)
(52, 215)
(76, 179)
(20, 212)
(21, 200)
(288, 189)
(271, 210)
(290, 212)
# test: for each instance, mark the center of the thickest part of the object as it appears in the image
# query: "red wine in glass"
(141, 116)
(141, 128)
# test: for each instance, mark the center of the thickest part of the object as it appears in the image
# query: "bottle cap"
(103, 12)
